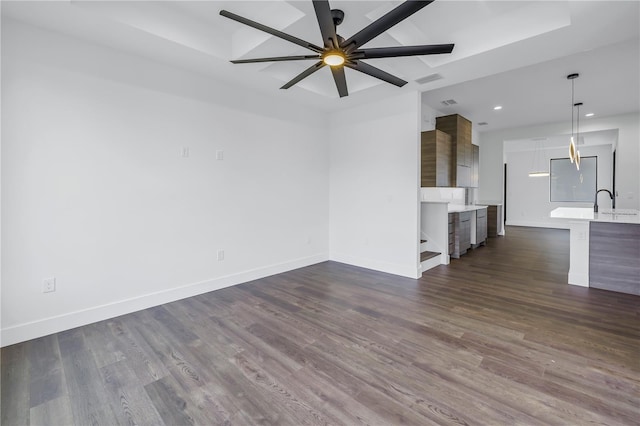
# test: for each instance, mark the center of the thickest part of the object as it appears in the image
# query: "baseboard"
(43, 327)
(376, 265)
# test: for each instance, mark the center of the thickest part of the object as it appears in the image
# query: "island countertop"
(587, 213)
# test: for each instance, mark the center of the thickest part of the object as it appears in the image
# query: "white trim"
(580, 279)
(579, 252)
(31, 330)
(376, 265)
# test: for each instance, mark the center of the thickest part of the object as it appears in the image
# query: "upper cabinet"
(435, 159)
(461, 148)
(447, 156)
(475, 166)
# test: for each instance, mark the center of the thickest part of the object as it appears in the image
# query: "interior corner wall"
(374, 185)
(126, 193)
(627, 155)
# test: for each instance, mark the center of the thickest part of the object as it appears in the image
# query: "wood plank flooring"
(497, 337)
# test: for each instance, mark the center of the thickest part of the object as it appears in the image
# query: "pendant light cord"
(572, 103)
(578, 125)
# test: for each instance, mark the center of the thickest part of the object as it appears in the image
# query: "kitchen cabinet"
(475, 166)
(461, 233)
(435, 161)
(481, 227)
(613, 256)
(452, 235)
(494, 220)
(462, 152)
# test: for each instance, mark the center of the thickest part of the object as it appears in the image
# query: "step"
(426, 255)
(429, 260)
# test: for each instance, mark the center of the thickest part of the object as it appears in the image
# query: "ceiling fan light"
(333, 59)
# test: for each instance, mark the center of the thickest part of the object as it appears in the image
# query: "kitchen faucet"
(595, 202)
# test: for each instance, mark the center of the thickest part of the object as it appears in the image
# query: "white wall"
(528, 197)
(628, 155)
(96, 192)
(374, 190)
(428, 117)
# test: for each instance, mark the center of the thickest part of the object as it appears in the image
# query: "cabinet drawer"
(465, 216)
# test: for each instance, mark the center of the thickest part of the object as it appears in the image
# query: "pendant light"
(537, 171)
(574, 154)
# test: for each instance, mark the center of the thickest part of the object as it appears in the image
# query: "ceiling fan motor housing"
(338, 16)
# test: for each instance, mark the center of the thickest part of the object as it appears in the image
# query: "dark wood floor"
(497, 337)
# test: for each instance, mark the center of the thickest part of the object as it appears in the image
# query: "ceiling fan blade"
(400, 13)
(271, 31)
(276, 59)
(304, 74)
(365, 68)
(325, 20)
(392, 52)
(341, 81)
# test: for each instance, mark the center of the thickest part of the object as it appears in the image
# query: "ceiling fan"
(338, 52)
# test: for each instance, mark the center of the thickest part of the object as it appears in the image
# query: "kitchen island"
(604, 248)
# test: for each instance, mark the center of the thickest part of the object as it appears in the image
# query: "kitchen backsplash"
(451, 195)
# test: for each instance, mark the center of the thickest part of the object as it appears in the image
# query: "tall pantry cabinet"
(462, 155)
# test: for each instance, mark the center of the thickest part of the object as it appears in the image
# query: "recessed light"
(497, 107)
(589, 114)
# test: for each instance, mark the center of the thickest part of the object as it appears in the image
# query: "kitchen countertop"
(605, 215)
(457, 208)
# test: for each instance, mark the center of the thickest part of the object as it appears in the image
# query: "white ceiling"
(512, 53)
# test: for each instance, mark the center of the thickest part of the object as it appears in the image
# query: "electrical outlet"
(220, 255)
(49, 285)
(219, 155)
(184, 152)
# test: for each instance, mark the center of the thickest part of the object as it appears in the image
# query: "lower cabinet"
(452, 235)
(461, 233)
(494, 220)
(481, 227)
